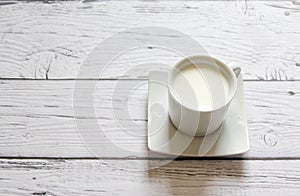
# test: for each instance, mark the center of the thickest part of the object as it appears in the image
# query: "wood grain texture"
(37, 119)
(50, 41)
(103, 177)
(41, 40)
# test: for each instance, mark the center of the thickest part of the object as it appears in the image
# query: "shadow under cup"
(200, 89)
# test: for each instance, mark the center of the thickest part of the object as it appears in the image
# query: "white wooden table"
(43, 44)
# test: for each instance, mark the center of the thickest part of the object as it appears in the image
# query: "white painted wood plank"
(43, 41)
(121, 177)
(37, 119)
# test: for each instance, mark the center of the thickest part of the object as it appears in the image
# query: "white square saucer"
(163, 137)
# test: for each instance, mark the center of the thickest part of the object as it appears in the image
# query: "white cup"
(196, 119)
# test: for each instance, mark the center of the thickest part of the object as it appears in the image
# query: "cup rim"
(204, 108)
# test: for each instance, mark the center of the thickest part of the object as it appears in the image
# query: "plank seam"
(133, 79)
(154, 158)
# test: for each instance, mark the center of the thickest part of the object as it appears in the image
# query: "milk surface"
(196, 87)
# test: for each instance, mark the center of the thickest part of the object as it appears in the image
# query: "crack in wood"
(291, 93)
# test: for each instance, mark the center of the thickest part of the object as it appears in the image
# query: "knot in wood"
(270, 139)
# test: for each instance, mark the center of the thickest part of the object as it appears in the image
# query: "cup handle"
(236, 69)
